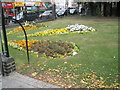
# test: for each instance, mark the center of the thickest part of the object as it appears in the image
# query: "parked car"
(31, 16)
(57, 10)
(28, 16)
(72, 11)
(46, 14)
(62, 12)
(19, 17)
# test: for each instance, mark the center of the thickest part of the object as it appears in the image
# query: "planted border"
(48, 49)
(27, 26)
(69, 29)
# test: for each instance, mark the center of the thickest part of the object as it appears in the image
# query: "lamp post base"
(8, 65)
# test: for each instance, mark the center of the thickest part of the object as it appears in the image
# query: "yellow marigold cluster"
(20, 29)
(23, 43)
(51, 32)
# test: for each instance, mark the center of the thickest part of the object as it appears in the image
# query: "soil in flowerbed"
(52, 49)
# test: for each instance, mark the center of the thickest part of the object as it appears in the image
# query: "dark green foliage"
(101, 8)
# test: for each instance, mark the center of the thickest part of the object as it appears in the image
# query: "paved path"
(0, 82)
(16, 80)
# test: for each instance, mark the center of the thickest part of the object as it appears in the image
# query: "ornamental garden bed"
(94, 66)
(27, 26)
(49, 49)
(81, 29)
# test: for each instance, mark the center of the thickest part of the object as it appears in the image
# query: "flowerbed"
(49, 49)
(27, 26)
(80, 28)
(69, 29)
(51, 32)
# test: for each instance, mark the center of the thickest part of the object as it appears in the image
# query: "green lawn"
(96, 64)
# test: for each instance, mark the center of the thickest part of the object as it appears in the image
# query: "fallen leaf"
(101, 78)
(83, 82)
(34, 74)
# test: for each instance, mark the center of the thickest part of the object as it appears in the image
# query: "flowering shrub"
(49, 49)
(69, 29)
(27, 26)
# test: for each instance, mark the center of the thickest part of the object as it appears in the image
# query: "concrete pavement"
(16, 80)
(0, 82)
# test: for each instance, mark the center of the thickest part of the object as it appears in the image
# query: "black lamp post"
(6, 52)
(26, 39)
(8, 63)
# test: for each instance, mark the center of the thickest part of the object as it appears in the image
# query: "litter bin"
(8, 65)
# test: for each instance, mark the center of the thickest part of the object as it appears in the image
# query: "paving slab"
(16, 80)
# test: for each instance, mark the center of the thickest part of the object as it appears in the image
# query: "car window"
(47, 12)
(61, 10)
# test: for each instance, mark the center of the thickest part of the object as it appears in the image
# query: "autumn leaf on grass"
(83, 82)
(69, 86)
(65, 62)
(34, 74)
(101, 78)
(26, 65)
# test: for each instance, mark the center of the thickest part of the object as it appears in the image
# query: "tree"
(101, 8)
(111, 9)
(78, 7)
(54, 10)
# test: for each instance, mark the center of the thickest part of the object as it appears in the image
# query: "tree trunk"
(54, 11)
(98, 8)
(108, 8)
(118, 8)
(78, 7)
(104, 9)
(91, 8)
(111, 9)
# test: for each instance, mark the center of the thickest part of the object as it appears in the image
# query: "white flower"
(81, 27)
(84, 29)
(74, 53)
(93, 29)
